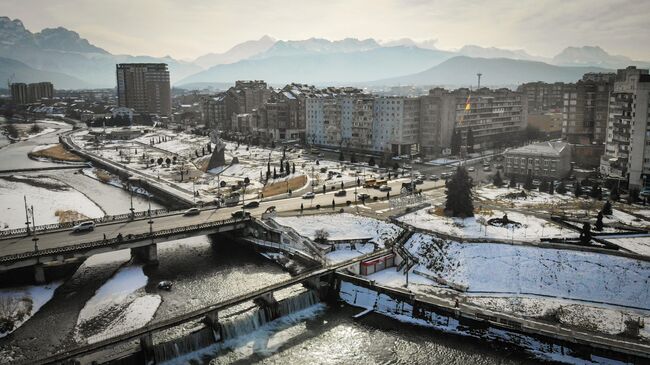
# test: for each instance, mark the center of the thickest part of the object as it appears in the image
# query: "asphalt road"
(16, 245)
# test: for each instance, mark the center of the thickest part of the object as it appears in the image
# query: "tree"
(578, 190)
(585, 234)
(203, 151)
(152, 161)
(293, 170)
(371, 161)
(551, 187)
(455, 142)
(596, 192)
(513, 182)
(281, 167)
(528, 185)
(275, 174)
(459, 195)
(168, 161)
(599, 221)
(497, 181)
(341, 157)
(607, 208)
(353, 157)
(35, 128)
(470, 141)
(286, 168)
(12, 131)
(561, 188)
(174, 160)
(543, 186)
(160, 161)
(633, 197)
(320, 235)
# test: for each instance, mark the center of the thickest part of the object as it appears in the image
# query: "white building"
(627, 153)
(544, 160)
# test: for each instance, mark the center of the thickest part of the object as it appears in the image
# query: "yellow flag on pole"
(467, 104)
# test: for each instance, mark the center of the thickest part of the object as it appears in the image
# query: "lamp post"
(34, 238)
(26, 215)
(243, 201)
(131, 193)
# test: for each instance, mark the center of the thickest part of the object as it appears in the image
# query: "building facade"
(545, 160)
(144, 87)
(22, 93)
(545, 97)
(627, 152)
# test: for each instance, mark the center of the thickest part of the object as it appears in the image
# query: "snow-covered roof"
(550, 148)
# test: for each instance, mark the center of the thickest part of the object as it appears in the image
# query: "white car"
(309, 195)
(471, 169)
(385, 188)
(84, 226)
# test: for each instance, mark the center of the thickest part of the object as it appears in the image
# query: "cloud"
(190, 28)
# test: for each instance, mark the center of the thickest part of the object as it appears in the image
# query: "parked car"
(418, 181)
(385, 188)
(471, 169)
(165, 285)
(499, 167)
(487, 169)
(240, 214)
(192, 211)
(253, 204)
(363, 196)
(536, 182)
(434, 178)
(84, 226)
(308, 195)
(270, 209)
(341, 193)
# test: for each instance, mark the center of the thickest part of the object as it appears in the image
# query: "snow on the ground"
(43, 147)
(532, 228)
(43, 132)
(18, 305)
(342, 226)
(600, 319)
(117, 306)
(391, 277)
(621, 217)
(639, 245)
(513, 269)
(532, 196)
(347, 253)
(46, 201)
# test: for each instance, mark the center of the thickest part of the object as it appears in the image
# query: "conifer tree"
(551, 187)
(615, 195)
(459, 195)
(607, 208)
(578, 190)
(599, 221)
(528, 185)
(497, 181)
(513, 182)
(561, 189)
(455, 142)
(543, 186)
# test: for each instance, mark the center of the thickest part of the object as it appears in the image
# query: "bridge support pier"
(269, 304)
(39, 274)
(146, 346)
(212, 319)
(147, 254)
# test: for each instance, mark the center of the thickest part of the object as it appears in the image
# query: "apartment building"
(243, 98)
(627, 151)
(22, 93)
(144, 87)
(545, 97)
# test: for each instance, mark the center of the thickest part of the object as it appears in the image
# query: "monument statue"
(218, 158)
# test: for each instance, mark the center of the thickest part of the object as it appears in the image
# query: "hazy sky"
(189, 28)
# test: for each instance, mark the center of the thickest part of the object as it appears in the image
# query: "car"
(385, 188)
(192, 211)
(471, 169)
(434, 178)
(84, 226)
(165, 285)
(499, 167)
(270, 209)
(363, 196)
(341, 193)
(487, 169)
(418, 181)
(240, 214)
(537, 182)
(309, 195)
(339, 176)
(253, 204)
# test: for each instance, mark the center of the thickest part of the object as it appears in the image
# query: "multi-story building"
(544, 160)
(144, 87)
(30, 93)
(437, 119)
(495, 117)
(544, 97)
(243, 98)
(627, 153)
(282, 116)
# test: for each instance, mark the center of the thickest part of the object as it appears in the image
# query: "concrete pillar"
(39, 274)
(212, 320)
(147, 254)
(269, 304)
(146, 346)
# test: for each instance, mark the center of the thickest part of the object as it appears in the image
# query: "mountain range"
(70, 61)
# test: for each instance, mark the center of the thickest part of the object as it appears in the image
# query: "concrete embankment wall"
(467, 320)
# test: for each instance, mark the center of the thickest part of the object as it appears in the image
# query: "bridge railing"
(104, 219)
(117, 240)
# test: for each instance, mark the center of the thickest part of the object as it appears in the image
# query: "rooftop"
(551, 148)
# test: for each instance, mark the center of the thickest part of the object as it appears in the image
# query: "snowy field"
(342, 226)
(639, 245)
(18, 305)
(118, 306)
(511, 269)
(47, 195)
(348, 253)
(531, 230)
(533, 197)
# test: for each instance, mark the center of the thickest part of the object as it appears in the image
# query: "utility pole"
(131, 209)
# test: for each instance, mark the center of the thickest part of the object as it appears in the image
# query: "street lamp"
(243, 202)
(34, 238)
(26, 215)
